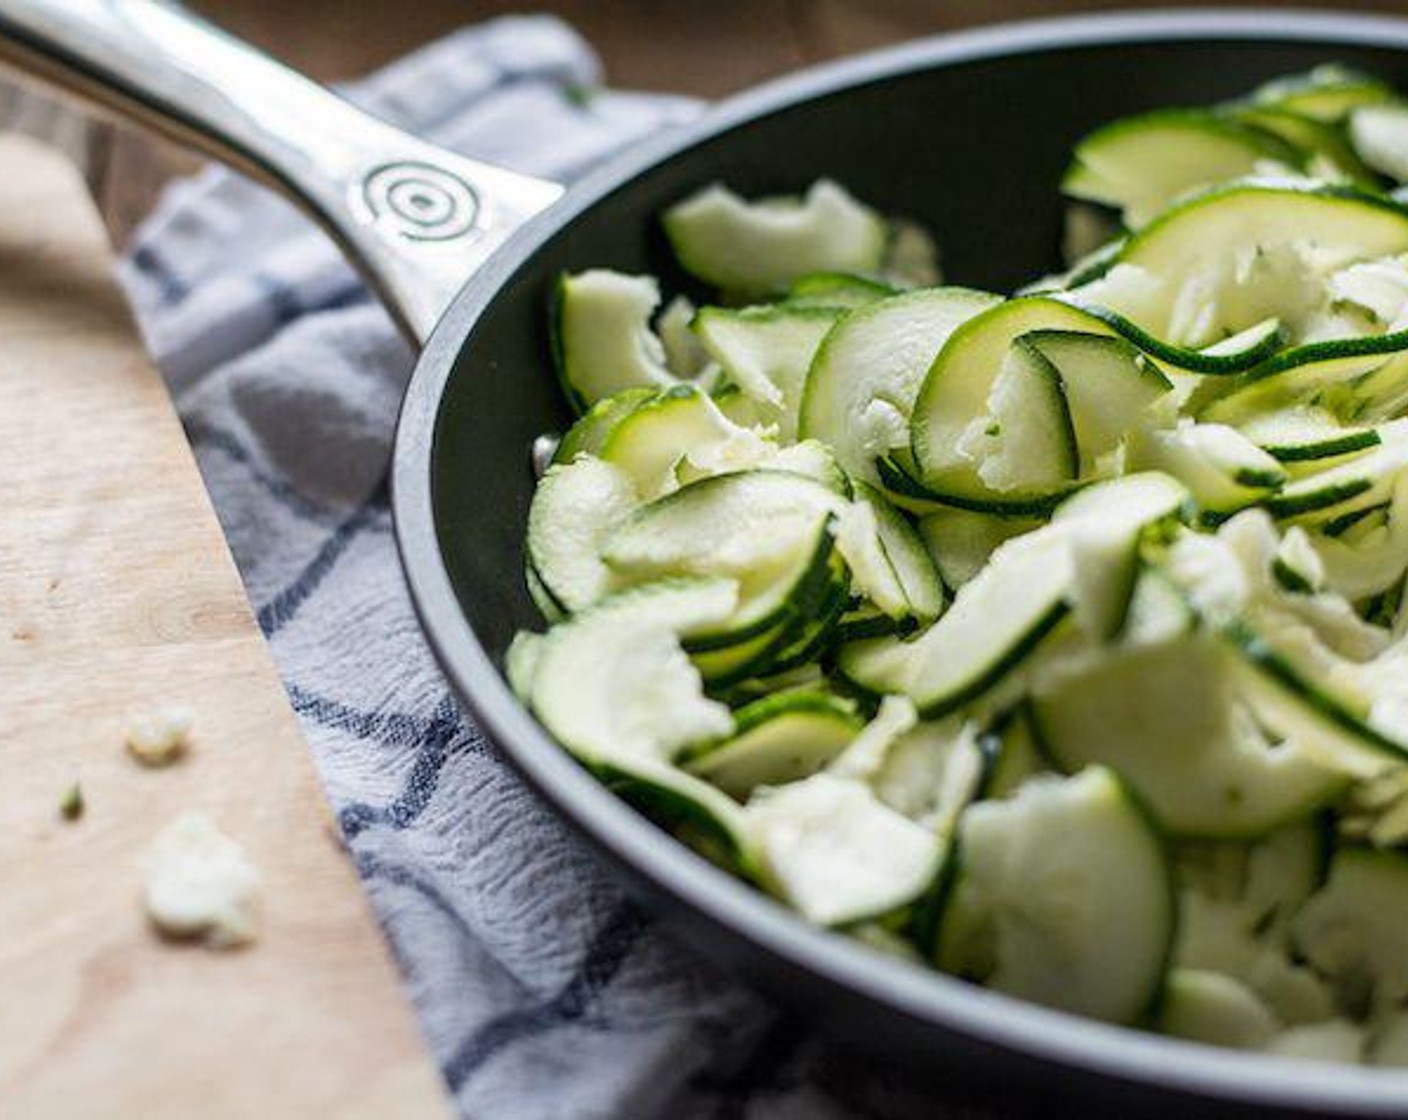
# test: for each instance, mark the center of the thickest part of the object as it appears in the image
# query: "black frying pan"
(967, 133)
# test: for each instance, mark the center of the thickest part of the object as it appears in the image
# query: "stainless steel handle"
(416, 219)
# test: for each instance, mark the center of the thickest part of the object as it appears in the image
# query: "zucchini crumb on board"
(161, 736)
(198, 884)
(1054, 640)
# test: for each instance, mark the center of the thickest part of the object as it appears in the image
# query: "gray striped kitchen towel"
(542, 992)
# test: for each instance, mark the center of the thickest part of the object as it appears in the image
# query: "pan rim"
(1125, 1054)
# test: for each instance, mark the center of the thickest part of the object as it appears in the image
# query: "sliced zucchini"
(1379, 134)
(778, 740)
(1223, 470)
(862, 382)
(1306, 434)
(838, 855)
(589, 434)
(1365, 480)
(1326, 152)
(602, 338)
(1139, 165)
(1013, 754)
(685, 357)
(1163, 716)
(1210, 1007)
(960, 541)
(888, 561)
(576, 506)
(932, 773)
(681, 424)
(838, 290)
(1325, 93)
(761, 248)
(1208, 249)
(766, 352)
(1083, 925)
(1335, 1040)
(1026, 442)
(995, 622)
(767, 530)
(1351, 930)
(1108, 386)
(615, 687)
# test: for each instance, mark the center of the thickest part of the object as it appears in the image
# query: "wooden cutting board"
(117, 595)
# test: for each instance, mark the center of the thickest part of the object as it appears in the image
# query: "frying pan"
(967, 133)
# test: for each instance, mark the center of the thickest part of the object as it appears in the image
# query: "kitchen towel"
(542, 992)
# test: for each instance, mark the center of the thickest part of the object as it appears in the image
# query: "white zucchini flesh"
(1216, 1009)
(759, 528)
(1083, 925)
(956, 388)
(679, 426)
(1163, 716)
(1351, 930)
(1223, 470)
(782, 740)
(1108, 386)
(832, 850)
(960, 541)
(1195, 251)
(1305, 434)
(575, 508)
(766, 352)
(861, 385)
(761, 248)
(603, 338)
(613, 683)
(903, 560)
(1379, 134)
(1025, 442)
(1141, 164)
(993, 624)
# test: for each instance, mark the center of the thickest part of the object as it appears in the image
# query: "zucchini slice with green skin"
(1219, 1010)
(575, 508)
(1379, 134)
(1163, 716)
(956, 389)
(1327, 153)
(833, 851)
(1305, 434)
(861, 385)
(907, 556)
(1365, 480)
(1026, 444)
(761, 248)
(1332, 727)
(1300, 372)
(1139, 165)
(1108, 386)
(1351, 930)
(602, 338)
(1223, 470)
(613, 683)
(1326, 93)
(838, 290)
(777, 740)
(768, 530)
(960, 540)
(994, 623)
(766, 352)
(1085, 925)
(591, 430)
(1201, 240)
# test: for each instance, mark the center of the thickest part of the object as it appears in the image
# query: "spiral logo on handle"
(419, 202)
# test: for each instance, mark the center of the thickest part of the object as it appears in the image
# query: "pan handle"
(416, 219)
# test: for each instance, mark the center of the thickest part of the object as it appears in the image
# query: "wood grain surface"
(117, 594)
